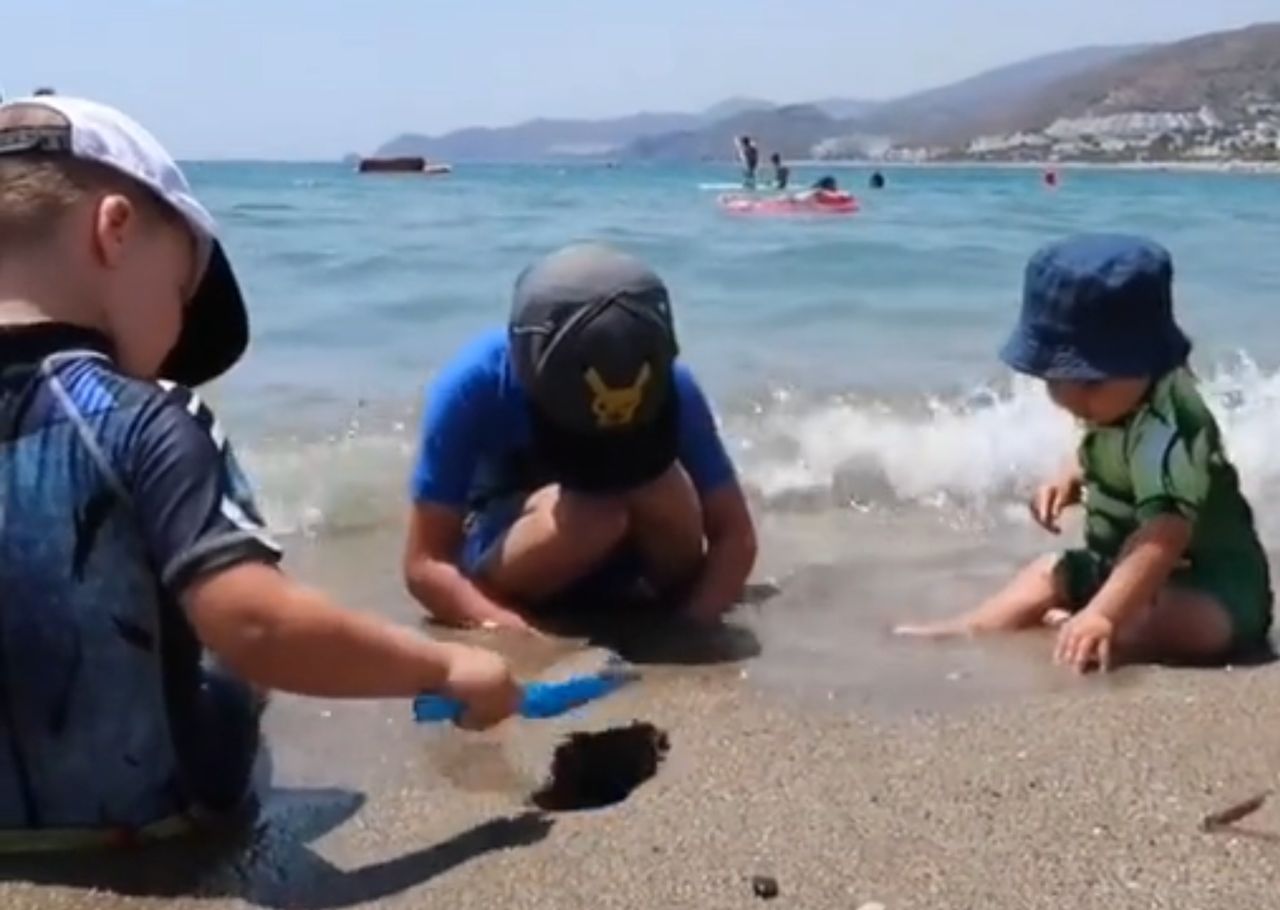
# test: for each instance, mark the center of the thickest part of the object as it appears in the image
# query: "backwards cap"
(593, 344)
(215, 329)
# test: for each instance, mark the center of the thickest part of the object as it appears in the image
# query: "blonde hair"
(37, 191)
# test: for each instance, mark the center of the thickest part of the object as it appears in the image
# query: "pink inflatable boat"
(817, 202)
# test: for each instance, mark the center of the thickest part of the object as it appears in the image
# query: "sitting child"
(1172, 568)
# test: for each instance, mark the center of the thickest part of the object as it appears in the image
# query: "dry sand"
(1086, 795)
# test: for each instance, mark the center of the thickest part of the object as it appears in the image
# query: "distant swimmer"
(877, 181)
(749, 155)
(824, 191)
(1051, 178)
(781, 173)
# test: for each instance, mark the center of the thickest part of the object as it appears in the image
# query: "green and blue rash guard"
(115, 495)
(1168, 458)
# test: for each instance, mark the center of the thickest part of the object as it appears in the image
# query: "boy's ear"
(115, 217)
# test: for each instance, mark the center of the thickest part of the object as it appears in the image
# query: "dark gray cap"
(593, 344)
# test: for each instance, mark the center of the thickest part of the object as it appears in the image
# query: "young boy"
(572, 457)
(129, 541)
(781, 173)
(1172, 568)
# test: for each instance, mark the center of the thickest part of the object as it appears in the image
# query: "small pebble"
(765, 887)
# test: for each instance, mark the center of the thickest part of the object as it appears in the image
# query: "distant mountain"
(791, 130)
(1227, 72)
(537, 139)
(543, 139)
(972, 106)
(732, 107)
(846, 108)
(939, 115)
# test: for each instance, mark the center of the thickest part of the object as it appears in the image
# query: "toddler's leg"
(1022, 603)
(1184, 625)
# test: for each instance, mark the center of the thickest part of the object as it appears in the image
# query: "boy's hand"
(483, 682)
(1052, 499)
(1085, 640)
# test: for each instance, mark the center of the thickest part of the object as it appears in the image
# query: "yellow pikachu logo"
(616, 407)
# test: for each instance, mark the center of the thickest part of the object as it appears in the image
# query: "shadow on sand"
(267, 862)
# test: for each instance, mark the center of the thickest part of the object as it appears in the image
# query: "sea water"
(851, 361)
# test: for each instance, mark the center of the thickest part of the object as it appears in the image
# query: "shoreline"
(1269, 168)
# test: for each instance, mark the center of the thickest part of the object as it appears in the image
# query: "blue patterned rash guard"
(115, 496)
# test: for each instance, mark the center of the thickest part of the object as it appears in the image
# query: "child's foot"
(950, 628)
(1056, 617)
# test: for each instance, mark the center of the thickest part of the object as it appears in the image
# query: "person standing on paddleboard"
(569, 459)
(749, 155)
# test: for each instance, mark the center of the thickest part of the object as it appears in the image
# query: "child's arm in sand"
(434, 578)
(278, 634)
(1153, 552)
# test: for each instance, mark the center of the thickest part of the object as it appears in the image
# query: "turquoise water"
(852, 359)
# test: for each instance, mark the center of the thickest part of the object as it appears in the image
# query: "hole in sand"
(594, 770)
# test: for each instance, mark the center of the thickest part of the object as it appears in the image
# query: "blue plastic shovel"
(539, 700)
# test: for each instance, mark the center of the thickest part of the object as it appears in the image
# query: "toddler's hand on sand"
(482, 681)
(1085, 641)
(1052, 499)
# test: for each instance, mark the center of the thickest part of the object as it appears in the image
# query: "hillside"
(972, 106)
(1228, 72)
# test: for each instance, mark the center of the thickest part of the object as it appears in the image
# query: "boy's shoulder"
(1177, 407)
(479, 380)
(126, 410)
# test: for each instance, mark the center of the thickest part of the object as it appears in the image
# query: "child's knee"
(1048, 570)
(598, 522)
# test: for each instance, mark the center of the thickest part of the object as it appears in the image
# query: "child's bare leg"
(1033, 593)
(1182, 626)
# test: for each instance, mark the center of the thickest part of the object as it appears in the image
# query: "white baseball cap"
(215, 330)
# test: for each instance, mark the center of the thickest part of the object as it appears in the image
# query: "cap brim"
(215, 331)
(608, 462)
(1028, 354)
(1025, 354)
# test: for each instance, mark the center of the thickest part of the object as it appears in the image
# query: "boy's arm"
(452, 436)
(731, 554)
(214, 557)
(1150, 555)
(727, 524)
(434, 579)
(281, 635)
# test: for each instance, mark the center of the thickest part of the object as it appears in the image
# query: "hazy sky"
(317, 78)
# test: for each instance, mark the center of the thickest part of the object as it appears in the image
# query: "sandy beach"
(1054, 792)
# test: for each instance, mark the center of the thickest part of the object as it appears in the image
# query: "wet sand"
(1050, 792)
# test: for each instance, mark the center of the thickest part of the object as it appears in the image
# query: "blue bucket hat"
(1095, 307)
